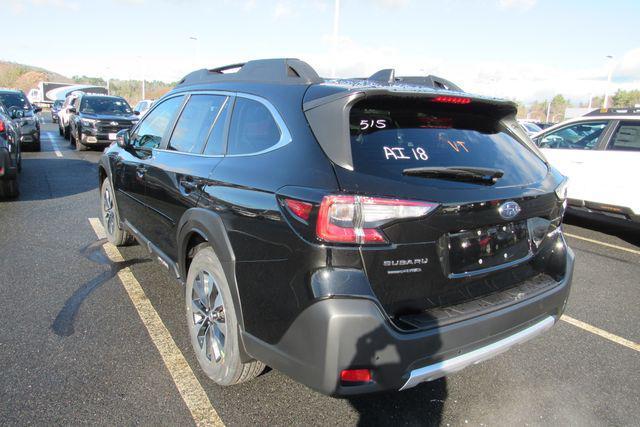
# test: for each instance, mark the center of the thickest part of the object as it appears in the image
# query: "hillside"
(26, 77)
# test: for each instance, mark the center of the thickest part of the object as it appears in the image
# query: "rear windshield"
(387, 140)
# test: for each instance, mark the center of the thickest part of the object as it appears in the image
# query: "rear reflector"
(355, 376)
(357, 219)
(451, 99)
(300, 209)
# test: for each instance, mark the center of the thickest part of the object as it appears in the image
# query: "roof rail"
(388, 76)
(282, 70)
(631, 111)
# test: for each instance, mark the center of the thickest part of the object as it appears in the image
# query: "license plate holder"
(112, 136)
(487, 247)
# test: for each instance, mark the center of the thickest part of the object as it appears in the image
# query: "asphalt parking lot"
(88, 337)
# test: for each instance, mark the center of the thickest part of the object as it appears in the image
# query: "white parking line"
(185, 380)
(609, 245)
(601, 332)
(51, 139)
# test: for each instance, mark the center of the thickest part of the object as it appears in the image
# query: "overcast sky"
(523, 49)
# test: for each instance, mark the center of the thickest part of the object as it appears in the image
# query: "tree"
(626, 98)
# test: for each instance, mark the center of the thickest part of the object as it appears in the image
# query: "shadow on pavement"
(422, 405)
(627, 233)
(43, 179)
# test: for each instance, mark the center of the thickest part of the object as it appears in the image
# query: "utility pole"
(548, 110)
(606, 93)
(334, 37)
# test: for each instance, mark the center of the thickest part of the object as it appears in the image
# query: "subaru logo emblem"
(509, 210)
(114, 123)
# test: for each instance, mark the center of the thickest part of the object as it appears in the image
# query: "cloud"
(282, 10)
(517, 4)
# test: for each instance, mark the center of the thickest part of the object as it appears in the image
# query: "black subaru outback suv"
(358, 235)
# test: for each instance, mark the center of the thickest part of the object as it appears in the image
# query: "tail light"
(357, 219)
(2, 126)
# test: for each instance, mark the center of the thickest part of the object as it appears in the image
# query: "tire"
(109, 212)
(37, 147)
(215, 342)
(9, 188)
(79, 145)
(60, 131)
(67, 133)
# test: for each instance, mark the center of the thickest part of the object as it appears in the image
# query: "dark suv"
(10, 155)
(24, 115)
(358, 235)
(97, 119)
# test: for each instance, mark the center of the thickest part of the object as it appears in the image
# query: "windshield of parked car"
(531, 127)
(13, 99)
(58, 103)
(111, 106)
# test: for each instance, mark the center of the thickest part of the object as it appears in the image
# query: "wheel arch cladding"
(199, 225)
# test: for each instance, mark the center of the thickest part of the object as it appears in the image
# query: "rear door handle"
(141, 170)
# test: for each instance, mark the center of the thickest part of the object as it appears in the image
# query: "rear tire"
(67, 133)
(37, 147)
(213, 326)
(9, 188)
(60, 131)
(110, 216)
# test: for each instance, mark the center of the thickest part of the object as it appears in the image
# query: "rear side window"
(626, 138)
(581, 136)
(386, 140)
(253, 128)
(194, 124)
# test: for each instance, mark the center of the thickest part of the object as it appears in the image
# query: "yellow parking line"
(609, 245)
(604, 334)
(185, 380)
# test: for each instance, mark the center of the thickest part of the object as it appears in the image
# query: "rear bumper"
(618, 214)
(350, 333)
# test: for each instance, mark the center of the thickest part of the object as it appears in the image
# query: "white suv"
(599, 153)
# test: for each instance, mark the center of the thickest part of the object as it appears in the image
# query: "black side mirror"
(16, 114)
(136, 112)
(122, 138)
(72, 110)
(36, 109)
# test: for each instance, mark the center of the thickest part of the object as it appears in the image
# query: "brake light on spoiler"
(451, 99)
(357, 219)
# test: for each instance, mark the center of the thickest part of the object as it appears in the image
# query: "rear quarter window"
(387, 140)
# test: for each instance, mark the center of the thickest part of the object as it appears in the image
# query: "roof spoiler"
(388, 76)
(282, 70)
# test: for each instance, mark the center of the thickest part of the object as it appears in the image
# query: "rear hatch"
(494, 191)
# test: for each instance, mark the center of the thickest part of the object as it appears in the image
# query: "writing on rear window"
(366, 124)
(398, 153)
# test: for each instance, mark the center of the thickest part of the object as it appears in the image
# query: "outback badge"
(509, 210)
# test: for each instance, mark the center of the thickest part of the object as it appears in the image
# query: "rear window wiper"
(487, 176)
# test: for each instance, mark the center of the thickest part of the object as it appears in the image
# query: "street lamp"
(606, 93)
(195, 50)
(334, 38)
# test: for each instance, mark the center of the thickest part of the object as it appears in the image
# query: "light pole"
(195, 50)
(143, 77)
(334, 37)
(606, 93)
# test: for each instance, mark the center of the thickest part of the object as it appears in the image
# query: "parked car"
(71, 101)
(143, 106)
(10, 155)
(25, 116)
(97, 119)
(530, 127)
(357, 235)
(55, 107)
(599, 153)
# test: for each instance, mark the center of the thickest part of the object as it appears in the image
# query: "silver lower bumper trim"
(449, 366)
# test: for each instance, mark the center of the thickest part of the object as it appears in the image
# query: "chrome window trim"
(285, 135)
